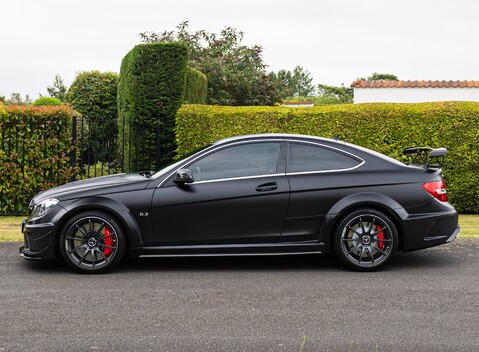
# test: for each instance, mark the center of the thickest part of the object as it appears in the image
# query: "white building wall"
(414, 95)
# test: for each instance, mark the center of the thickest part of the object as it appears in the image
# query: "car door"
(240, 195)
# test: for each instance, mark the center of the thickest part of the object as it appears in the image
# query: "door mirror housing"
(183, 176)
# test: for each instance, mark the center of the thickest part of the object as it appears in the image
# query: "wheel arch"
(116, 209)
(375, 201)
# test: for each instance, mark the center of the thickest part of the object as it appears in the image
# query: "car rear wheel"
(365, 240)
(92, 242)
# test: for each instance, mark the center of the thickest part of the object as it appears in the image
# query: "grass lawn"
(11, 226)
(469, 226)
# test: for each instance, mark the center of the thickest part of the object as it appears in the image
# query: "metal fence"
(96, 148)
(66, 150)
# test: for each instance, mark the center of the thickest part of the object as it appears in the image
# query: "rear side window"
(307, 158)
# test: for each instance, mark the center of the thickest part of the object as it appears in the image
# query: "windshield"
(176, 163)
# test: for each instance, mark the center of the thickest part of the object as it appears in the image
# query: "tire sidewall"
(339, 230)
(101, 215)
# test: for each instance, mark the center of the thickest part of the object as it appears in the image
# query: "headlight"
(43, 208)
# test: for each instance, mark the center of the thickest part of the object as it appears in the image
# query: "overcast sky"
(337, 41)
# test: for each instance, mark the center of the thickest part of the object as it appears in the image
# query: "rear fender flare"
(362, 200)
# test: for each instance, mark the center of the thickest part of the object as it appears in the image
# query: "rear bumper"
(429, 230)
(455, 234)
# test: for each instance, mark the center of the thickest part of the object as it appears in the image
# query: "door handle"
(271, 186)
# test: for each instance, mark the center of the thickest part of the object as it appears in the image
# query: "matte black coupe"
(269, 194)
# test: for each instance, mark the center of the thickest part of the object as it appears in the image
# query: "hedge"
(386, 128)
(150, 91)
(35, 150)
(196, 87)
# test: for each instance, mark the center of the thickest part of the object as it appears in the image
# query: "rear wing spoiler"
(429, 158)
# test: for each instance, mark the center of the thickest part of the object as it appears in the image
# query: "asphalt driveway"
(422, 301)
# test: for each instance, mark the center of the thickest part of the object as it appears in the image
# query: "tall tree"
(58, 89)
(94, 95)
(334, 95)
(286, 85)
(236, 72)
(303, 82)
(296, 83)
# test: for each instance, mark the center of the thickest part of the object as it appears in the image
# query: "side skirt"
(229, 250)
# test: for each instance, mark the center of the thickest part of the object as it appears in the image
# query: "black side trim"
(286, 248)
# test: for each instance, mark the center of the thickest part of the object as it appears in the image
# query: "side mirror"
(183, 176)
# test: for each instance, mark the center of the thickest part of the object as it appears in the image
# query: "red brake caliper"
(380, 238)
(108, 242)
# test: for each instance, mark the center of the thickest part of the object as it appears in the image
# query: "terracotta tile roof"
(415, 84)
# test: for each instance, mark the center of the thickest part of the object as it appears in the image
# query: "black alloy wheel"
(365, 240)
(92, 242)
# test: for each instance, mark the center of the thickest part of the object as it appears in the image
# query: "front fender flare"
(117, 209)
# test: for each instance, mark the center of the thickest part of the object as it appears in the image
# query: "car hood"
(93, 186)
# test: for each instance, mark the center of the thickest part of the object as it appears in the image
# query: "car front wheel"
(92, 242)
(365, 240)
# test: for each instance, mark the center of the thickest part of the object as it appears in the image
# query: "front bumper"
(38, 241)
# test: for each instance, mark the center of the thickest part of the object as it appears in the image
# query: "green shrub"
(386, 128)
(94, 95)
(196, 87)
(150, 91)
(47, 101)
(35, 151)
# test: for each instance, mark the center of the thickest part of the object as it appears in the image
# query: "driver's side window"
(252, 159)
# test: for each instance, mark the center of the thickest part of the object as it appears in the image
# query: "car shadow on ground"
(197, 264)
(239, 263)
(429, 258)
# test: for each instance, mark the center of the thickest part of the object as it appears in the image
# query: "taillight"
(437, 189)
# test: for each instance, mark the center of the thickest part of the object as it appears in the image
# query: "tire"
(365, 240)
(92, 242)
